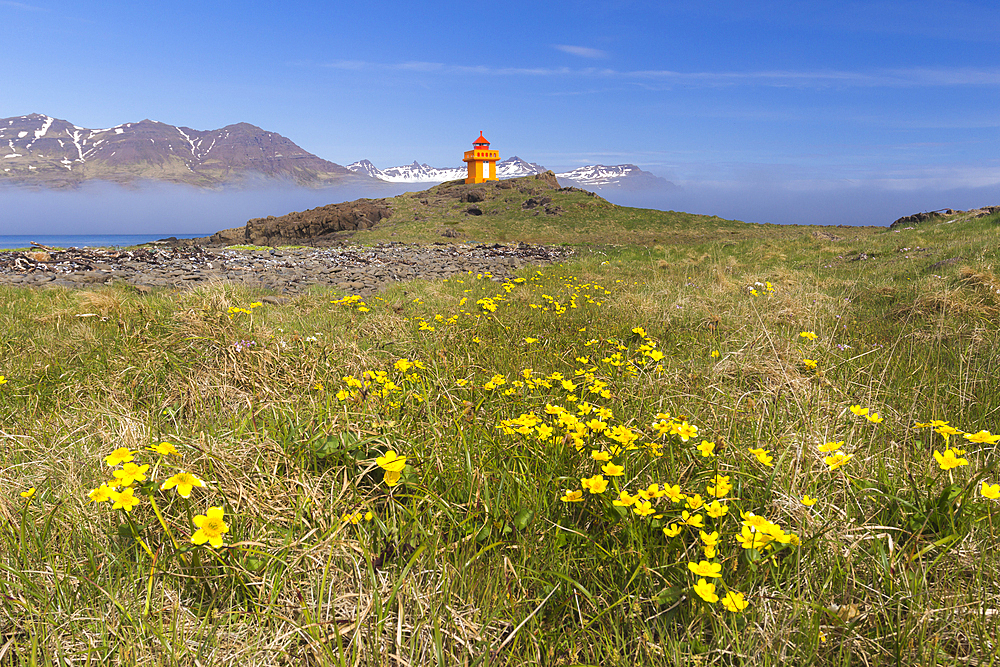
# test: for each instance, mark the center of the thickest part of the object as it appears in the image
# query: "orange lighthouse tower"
(482, 161)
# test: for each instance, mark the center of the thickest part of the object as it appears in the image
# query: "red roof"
(481, 140)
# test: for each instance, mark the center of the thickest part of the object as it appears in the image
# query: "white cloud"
(882, 78)
(21, 5)
(582, 51)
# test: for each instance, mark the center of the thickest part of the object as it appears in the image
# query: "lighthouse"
(482, 161)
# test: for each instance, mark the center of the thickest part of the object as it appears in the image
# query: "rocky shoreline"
(352, 269)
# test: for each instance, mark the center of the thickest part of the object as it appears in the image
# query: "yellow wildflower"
(983, 438)
(118, 457)
(706, 448)
(612, 470)
(716, 509)
(950, 459)
(165, 448)
(643, 508)
(184, 481)
(595, 484)
(734, 602)
(837, 460)
(706, 569)
(211, 527)
(763, 456)
(706, 591)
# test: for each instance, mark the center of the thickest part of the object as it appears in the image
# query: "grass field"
(773, 446)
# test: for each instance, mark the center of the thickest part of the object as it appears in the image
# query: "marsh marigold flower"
(27, 495)
(949, 459)
(859, 411)
(837, 460)
(807, 501)
(118, 457)
(673, 530)
(572, 496)
(831, 446)
(693, 520)
(983, 438)
(706, 569)
(612, 470)
(101, 494)
(624, 499)
(211, 527)
(687, 431)
(595, 484)
(184, 482)
(673, 492)
(131, 473)
(706, 448)
(719, 486)
(125, 500)
(763, 456)
(716, 510)
(734, 602)
(391, 462)
(808, 335)
(991, 491)
(165, 448)
(706, 591)
(643, 508)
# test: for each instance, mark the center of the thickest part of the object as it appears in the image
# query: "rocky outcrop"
(317, 226)
(916, 218)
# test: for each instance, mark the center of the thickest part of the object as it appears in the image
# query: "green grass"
(473, 557)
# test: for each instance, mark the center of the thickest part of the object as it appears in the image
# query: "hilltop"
(530, 209)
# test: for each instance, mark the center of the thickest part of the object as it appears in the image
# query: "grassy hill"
(751, 369)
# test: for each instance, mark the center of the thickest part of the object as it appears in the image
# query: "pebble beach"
(352, 269)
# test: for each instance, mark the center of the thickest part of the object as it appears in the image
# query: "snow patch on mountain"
(627, 176)
(512, 167)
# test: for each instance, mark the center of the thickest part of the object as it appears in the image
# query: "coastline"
(354, 269)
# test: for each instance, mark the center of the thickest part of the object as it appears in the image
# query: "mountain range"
(39, 150)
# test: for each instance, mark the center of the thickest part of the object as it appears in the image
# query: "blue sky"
(759, 110)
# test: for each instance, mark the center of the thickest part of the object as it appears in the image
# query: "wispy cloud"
(882, 78)
(582, 51)
(21, 5)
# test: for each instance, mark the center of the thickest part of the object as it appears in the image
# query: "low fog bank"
(104, 208)
(847, 205)
(167, 210)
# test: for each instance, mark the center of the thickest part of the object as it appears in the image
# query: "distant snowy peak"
(622, 176)
(366, 168)
(422, 173)
(600, 175)
(515, 167)
(41, 150)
